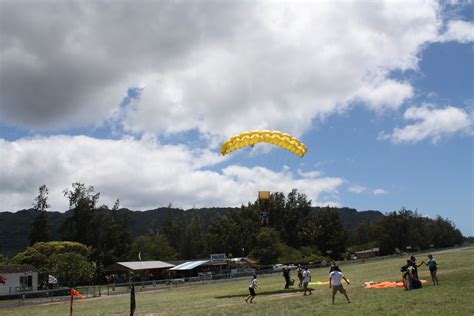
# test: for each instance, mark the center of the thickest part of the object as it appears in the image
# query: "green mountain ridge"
(15, 226)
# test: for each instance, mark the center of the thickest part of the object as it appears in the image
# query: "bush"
(71, 269)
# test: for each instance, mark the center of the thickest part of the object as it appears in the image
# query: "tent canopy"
(189, 265)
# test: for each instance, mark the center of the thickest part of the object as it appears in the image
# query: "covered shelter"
(147, 270)
(190, 268)
(367, 253)
(241, 266)
(242, 261)
(203, 268)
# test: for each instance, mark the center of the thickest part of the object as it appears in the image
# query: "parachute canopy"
(250, 138)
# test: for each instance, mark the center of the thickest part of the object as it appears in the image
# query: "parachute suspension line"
(263, 205)
(285, 141)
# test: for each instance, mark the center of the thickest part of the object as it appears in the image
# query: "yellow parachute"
(250, 138)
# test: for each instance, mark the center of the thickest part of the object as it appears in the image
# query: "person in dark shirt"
(286, 275)
(433, 266)
(415, 267)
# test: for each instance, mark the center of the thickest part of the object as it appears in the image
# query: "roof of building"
(189, 265)
(368, 251)
(17, 268)
(241, 259)
(139, 265)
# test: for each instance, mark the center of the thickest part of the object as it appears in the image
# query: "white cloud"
(357, 189)
(379, 191)
(310, 174)
(328, 203)
(460, 31)
(431, 123)
(143, 174)
(218, 67)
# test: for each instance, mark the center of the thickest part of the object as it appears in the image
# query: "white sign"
(220, 257)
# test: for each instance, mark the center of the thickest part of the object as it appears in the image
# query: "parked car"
(265, 267)
(292, 266)
(278, 267)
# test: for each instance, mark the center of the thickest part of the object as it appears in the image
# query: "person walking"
(335, 278)
(252, 287)
(433, 266)
(299, 272)
(306, 280)
(286, 275)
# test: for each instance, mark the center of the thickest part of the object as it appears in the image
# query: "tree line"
(294, 233)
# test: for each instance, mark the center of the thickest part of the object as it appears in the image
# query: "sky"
(136, 97)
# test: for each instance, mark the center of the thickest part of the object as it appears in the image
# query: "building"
(367, 253)
(191, 269)
(217, 264)
(16, 278)
(241, 266)
(148, 270)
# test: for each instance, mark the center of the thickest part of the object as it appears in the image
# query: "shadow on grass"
(287, 291)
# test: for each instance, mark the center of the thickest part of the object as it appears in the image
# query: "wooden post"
(70, 304)
(132, 301)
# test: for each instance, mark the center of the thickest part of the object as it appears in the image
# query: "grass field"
(454, 295)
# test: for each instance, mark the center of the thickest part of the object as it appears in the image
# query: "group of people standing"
(409, 275)
(410, 272)
(304, 275)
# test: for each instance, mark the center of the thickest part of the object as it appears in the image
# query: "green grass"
(454, 295)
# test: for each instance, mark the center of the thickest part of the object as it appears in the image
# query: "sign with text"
(219, 257)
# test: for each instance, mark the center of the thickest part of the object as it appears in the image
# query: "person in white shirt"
(306, 280)
(335, 278)
(252, 287)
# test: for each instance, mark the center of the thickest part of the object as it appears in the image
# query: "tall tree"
(324, 230)
(296, 209)
(268, 246)
(403, 228)
(40, 228)
(82, 203)
(152, 247)
(234, 233)
(173, 229)
(194, 241)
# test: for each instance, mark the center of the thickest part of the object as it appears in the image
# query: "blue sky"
(380, 92)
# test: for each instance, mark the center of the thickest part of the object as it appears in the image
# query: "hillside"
(15, 227)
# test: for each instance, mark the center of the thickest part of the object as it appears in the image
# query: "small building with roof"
(191, 268)
(367, 253)
(149, 270)
(18, 278)
(203, 268)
